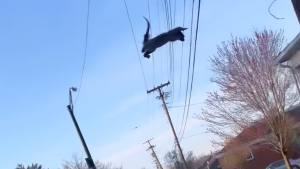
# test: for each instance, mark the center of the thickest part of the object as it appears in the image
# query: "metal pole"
(89, 161)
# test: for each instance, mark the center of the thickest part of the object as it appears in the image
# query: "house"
(261, 157)
(291, 54)
(210, 163)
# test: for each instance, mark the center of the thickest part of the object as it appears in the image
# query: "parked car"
(295, 163)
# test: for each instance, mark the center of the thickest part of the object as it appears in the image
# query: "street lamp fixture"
(74, 89)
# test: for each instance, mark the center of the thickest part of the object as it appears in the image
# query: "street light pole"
(89, 159)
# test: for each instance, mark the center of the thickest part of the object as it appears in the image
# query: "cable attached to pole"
(188, 77)
(137, 49)
(85, 50)
(195, 49)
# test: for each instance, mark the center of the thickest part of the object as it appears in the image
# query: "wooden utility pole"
(153, 154)
(296, 5)
(162, 98)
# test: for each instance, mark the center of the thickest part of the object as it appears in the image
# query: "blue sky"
(42, 48)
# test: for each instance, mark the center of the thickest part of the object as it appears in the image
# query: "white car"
(295, 163)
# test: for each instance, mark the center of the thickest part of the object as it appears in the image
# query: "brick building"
(210, 163)
(260, 158)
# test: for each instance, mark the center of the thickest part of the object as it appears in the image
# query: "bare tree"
(33, 166)
(78, 163)
(254, 93)
(235, 154)
(200, 160)
(20, 166)
(235, 159)
(172, 160)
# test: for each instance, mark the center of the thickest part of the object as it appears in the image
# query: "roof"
(289, 50)
(294, 112)
(210, 159)
(204, 164)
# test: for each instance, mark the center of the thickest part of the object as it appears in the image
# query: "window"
(249, 156)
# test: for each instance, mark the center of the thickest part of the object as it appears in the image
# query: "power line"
(185, 105)
(171, 48)
(174, 19)
(182, 51)
(151, 35)
(153, 61)
(170, 12)
(149, 16)
(167, 14)
(171, 66)
(157, 3)
(153, 67)
(138, 56)
(270, 11)
(181, 61)
(163, 10)
(85, 50)
(194, 135)
(165, 22)
(174, 13)
(195, 47)
(190, 55)
(147, 110)
(173, 70)
(170, 61)
(136, 44)
(172, 55)
(168, 27)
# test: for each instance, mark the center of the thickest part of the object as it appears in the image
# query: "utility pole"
(162, 98)
(89, 160)
(296, 5)
(154, 154)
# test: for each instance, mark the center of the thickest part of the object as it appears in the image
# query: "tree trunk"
(287, 162)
